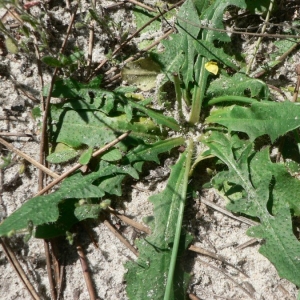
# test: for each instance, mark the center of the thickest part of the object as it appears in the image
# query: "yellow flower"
(212, 67)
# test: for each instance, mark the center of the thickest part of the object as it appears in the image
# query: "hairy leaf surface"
(272, 118)
(237, 85)
(156, 250)
(95, 129)
(44, 209)
(255, 175)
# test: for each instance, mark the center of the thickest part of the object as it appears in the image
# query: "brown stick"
(77, 166)
(15, 263)
(19, 134)
(130, 221)
(91, 43)
(280, 36)
(141, 5)
(120, 237)
(296, 91)
(227, 276)
(215, 256)
(228, 213)
(49, 270)
(28, 158)
(86, 274)
(135, 34)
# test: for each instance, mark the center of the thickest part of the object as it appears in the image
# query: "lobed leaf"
(237, 85)
(44, 209)
(272, 118)
(149, 152)
(259, 178)
(94, 128)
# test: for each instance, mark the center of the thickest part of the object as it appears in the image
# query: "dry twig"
(120, 237)
(227, 276)
(28, 158)
(227, 213)
(215, 256)
(86, 273)
(15, 263)
(134, 35)
(77, 166)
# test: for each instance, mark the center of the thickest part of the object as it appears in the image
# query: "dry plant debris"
(95, 95)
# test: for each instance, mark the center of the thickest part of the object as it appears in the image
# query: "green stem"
(199, 91)
(240, 99)
(178, 93)
(186, 97)
(185, 179)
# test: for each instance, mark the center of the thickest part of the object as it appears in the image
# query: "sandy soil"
(212, 230)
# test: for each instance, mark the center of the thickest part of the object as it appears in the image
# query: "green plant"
(254, 185)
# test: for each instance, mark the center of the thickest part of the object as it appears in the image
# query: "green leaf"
(112, 155)
(36, 112)
(257, 6)
(158, 117)
(281, 247)
(170, 60)
(260, 181)
(86, 156)
(95, 129)
(87, 211)
(143, 16)
(11, 45)
(70, 88)
(272, 118)
(149, 152)
(62, 153)
(44, 209)
(198, 46)
(113, 184)
(153, 264)
(189, 33)
(239, 84)
(62, 156)
(52, 61)
(141, 73)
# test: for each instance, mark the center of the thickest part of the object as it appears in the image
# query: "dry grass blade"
(132, 36)
(49, 270)
(77, 166)
(15, 263)
(141, 5)
(86, 273)
(296, 92)
(281, 59)
(215, 256)
(279, 36)
(120, 237)
(247, 244)
(91, 43)
(193, 297)
(227, 276)
(228, 213)
(28, 158)
(130, 222)
(18, 134)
